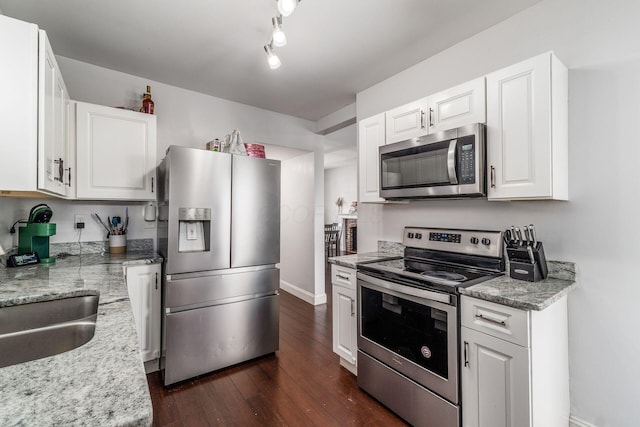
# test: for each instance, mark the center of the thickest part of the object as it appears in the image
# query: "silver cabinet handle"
(156, 280)
(342, 276)
(353, 310)
(152, 184)
(431, 117)
(422, 119)
(493, 177)
(488, 319)
(466, 354)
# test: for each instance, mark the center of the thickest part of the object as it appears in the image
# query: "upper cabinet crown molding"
(527, 136)
(116, 153)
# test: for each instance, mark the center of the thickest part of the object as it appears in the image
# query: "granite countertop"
(527, 295)
(100, 383)
(352, 261)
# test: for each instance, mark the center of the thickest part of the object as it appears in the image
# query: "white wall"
(297, 220)
(190, 119)
(339, 182)
(341, 171)
(597, 229)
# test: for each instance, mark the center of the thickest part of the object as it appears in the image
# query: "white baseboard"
(577, 422)
(302, 294)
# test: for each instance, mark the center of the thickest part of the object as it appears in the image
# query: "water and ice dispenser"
(194, 229)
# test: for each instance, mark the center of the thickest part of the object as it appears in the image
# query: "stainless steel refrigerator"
(219, 234)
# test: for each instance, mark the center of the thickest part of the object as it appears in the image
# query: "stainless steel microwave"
(444, 164)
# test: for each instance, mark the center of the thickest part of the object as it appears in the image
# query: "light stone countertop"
(100, 383)
(352, 261)
(527, 295)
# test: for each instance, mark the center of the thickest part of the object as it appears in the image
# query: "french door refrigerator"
(219, 235)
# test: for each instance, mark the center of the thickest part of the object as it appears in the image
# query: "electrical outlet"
(79, 221)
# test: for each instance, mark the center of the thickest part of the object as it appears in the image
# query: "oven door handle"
(451, 162)
(408, 290)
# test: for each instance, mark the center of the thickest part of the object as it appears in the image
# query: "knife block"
(520, 265)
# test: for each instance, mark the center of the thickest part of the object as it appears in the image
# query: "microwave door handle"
(451, 162)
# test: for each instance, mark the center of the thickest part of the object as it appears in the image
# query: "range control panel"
(473, 242)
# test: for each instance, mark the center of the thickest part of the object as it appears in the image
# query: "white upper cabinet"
(54, 165)
(370, 137)
(18, 105)
(407, 121)
(527, 141)
(458, 106)
(115, 153)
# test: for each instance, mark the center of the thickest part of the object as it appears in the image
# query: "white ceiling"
(336, 47)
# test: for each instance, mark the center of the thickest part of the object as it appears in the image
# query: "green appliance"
(34, 236)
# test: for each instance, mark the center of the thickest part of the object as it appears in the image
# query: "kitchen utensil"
(518, 236)
(97, 217)
(532, 231)
(527, 238)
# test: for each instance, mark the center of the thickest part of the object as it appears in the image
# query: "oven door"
(414, 331)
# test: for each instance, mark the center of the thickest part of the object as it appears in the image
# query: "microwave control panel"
(467, 160)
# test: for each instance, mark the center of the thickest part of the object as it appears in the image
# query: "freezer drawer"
(211, 338)
(182, 294)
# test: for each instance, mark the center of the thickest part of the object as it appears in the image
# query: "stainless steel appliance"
(219, 234)
(409, 322)
(444, 164)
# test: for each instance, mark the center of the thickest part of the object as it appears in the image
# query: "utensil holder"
(520, 265)
(117, 243)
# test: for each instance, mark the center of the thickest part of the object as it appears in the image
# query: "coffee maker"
(34, 236)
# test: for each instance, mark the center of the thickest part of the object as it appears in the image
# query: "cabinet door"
(526, 131)
(407, 121)
(116, 153)
(458, 106)
(143, 284)
(344, 323)
(18, 105)
(370, 137)
(495, 382)
(53, 101)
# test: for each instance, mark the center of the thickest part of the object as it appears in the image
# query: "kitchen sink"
(41, 329)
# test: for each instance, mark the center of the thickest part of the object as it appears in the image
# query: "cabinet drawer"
(507, 323)
(343, 276)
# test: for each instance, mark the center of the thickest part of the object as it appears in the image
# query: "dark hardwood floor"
(301, 385)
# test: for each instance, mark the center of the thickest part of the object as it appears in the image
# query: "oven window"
(411, 330)
(415, 169)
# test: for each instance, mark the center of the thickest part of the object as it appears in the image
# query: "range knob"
(474, 240)
(486, 241)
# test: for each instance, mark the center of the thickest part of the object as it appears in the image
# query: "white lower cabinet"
(514, 367)
(144, 287)
(345, 345)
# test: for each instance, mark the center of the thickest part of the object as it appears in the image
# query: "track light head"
(286, 7)
(272, 58)
(278, 36)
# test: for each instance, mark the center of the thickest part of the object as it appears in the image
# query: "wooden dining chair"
(332, 239)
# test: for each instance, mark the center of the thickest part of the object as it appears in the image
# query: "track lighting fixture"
(274, 61)
(286, 7)
(279, 38)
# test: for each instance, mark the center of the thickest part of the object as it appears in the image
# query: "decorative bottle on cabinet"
(147, 103)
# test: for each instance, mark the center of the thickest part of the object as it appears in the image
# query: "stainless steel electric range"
(409, 322)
